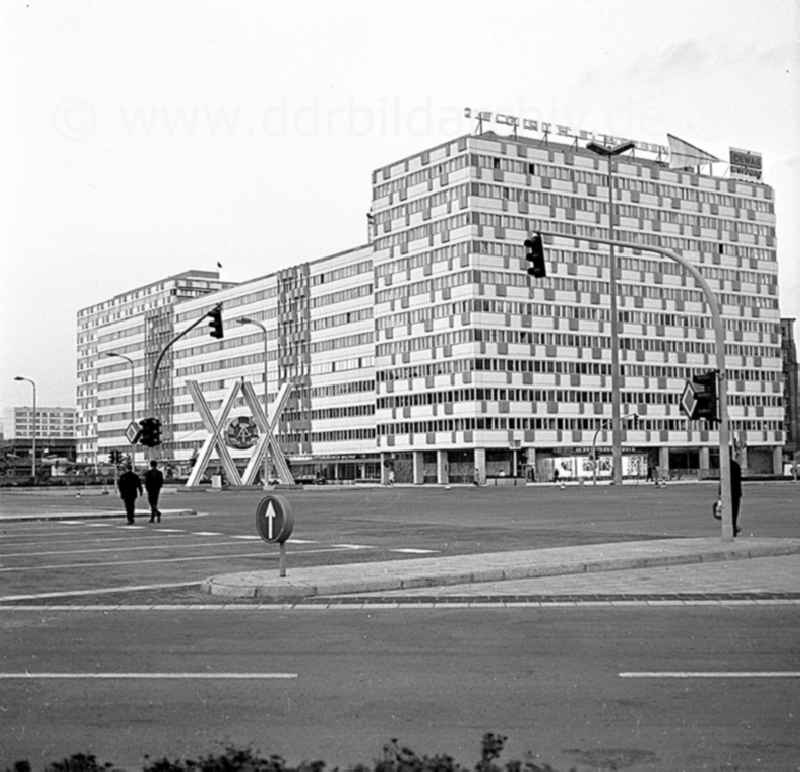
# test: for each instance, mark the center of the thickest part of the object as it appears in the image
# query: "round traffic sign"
(274, 521)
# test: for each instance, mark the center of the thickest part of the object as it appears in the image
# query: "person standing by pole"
(153, 481)
(129, 486)
(736, 493)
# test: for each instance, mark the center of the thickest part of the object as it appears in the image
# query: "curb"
(99, 515)
(415, 574)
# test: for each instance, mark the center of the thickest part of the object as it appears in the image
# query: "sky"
(143, 138)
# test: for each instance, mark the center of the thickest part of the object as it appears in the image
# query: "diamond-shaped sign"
(132, 432)
(689, 400)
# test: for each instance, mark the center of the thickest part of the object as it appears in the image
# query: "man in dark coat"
(736, 493)
(129, 486)
(153, 480)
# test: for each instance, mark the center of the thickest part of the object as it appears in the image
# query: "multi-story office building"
(134, 324)
(51, 423)
(791, 392)
(319, 321)
(430, 350)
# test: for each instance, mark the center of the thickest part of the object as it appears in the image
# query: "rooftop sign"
(745, 163)
(559, 130)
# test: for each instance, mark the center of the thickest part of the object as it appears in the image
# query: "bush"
(395, 759)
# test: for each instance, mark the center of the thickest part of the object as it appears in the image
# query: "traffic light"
(112, 457)
(151, 432)
(216, 322)
(534, 254)
(705, 389)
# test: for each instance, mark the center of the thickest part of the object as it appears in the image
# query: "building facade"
(429, 353)
(51, 423)
(791, 395)
(134, 324)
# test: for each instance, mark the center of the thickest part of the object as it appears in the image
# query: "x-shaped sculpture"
(216, 427)
(266, 436)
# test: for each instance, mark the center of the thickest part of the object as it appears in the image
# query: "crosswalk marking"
(412, 550)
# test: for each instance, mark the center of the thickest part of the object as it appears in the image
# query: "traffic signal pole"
(719, 337)
(215, 315)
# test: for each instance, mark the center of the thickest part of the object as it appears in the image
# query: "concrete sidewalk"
(88, 514)
(495, 567)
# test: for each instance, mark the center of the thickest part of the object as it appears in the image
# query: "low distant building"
(51, 423)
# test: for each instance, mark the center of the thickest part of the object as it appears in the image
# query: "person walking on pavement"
(129, 486)
(153, 481)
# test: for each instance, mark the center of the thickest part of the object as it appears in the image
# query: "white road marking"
(161, 546)
(72, 522)
(387, 604)
(98, 564)
(170, 530)
(354, 546)
(249, 538)
(83, 540)
(99, 525)
(104, 591)
(114, 676)
(300, 541)
(717, 674)
(131, 527)
(205, 533)
(412, 550)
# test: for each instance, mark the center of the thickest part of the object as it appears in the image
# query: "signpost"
(133, 432)
(274, 523)
(689, 400)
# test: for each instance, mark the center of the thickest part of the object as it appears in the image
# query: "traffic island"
(414, 573)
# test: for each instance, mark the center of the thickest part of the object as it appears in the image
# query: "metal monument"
(217, 428)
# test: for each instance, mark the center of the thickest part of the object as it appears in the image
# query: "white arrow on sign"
(689, 399)
(270, 515)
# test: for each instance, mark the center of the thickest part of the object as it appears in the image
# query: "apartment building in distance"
(51, 422)
(429, 351)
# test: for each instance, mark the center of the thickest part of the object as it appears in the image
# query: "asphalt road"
(549, 679)
(86, 556)
(437, 679)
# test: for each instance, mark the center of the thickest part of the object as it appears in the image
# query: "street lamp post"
(133, 398)
(249, 320)
(33, 433)
(602, 427)
(616, 396)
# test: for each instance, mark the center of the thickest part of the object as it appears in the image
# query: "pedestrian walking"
(153, 481)
(649, 473)
(130, 486)
(556, 475)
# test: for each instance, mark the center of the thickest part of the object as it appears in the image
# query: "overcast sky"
(143, 138)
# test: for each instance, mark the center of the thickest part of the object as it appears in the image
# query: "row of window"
(337, 320)
(518, 423)
(584, 204)
(343, 341)
(635, 238)
(560, 396)
(423, 204)
(420, 175)
(640, 184)
(341, 296)
(561, 366)
(346, 272)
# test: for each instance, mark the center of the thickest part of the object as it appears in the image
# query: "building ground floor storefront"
(528, 464)
(519, 465)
